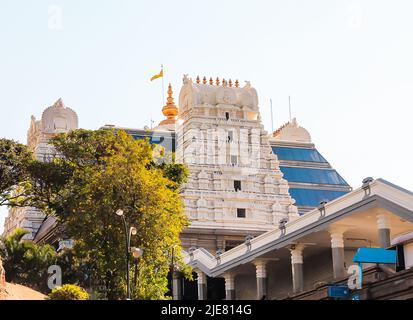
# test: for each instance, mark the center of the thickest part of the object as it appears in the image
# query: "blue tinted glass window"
(138, 137)
(306, 175)
(298, 154)
(155, 139)
(167, 142)
(312, 198)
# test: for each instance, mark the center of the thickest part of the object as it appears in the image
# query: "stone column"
(337, 252)
(384, 230)
(177, 285)
(297, 267)
(202, 285)
(261, 273)
(229, 286)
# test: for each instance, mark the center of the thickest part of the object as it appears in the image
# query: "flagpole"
(272, 117)
(163, 87)
(289, 105)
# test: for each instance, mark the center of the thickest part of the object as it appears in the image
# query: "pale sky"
(348, 66)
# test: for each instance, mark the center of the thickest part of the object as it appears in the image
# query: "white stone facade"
(222, 140)
(55, 119)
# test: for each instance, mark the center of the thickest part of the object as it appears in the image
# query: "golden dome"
(170, 110)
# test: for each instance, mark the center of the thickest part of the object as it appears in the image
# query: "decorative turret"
(291, 132)
(59, 118)
(223, 93)
(170, 110)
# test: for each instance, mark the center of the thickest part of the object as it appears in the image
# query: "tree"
(14, 161)
(25, 262)
(97, 173)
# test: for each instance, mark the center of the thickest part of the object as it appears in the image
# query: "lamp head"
(136, 252)
(133, 231)
(119, 212)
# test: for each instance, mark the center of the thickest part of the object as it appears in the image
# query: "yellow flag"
(160, 75)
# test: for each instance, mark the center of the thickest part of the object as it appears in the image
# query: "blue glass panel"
(138, 137)
(167, 142)
(307, 175)
(312, 198)
(298, 154)
(155, 139)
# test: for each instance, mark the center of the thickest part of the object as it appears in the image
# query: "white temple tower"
(235, 188)
(55, 119)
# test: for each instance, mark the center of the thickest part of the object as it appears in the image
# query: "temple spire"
(170, 110)
(59, 103)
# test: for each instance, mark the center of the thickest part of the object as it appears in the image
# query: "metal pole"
(127, 235)
(173, 271)
(289, 105)
(163, 87)
(272, 118)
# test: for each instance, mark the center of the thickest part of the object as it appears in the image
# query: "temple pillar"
(202, 285)
(297, 267)
(337, 252)
(261, 273)
(177, 285)
(383, 230)
(229, 286)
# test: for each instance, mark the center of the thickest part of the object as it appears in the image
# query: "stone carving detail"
(226, 96)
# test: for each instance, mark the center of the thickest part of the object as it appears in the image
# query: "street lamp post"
(136, 252)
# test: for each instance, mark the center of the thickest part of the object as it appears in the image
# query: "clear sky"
(348, 66)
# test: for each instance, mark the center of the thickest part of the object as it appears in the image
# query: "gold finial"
(170, 110)
(197, 79)
(217, 81)
(204, 81)
(230, 82)
(237, 83)
(224, 82)
(211, 82)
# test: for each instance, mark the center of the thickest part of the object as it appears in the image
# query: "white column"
(176, 285)
(297, 267)
(202, 285)
(261, 273)
(337, 251)
(229, 286)
(383, 230)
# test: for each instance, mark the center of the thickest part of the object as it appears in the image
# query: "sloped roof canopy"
(355, 212)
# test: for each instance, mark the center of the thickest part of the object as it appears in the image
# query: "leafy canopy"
(97, 173)
(25, 262)
(15, 159)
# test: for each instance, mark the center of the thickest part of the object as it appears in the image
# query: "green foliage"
(25, 262)
(175, 172)
(96, 173)
(68, 292)
(14, 160)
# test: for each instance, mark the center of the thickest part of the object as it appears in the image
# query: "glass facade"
(307, 175)
(298, 154)
(312, 198)
(167, 142)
